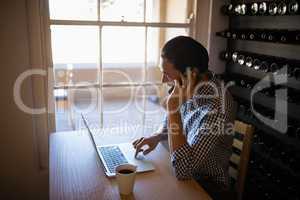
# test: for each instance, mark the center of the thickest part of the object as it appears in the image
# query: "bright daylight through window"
(106, 55)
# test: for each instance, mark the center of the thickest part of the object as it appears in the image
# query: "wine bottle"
(237, 9)
(225, 34)
(254, 9)
(228, 34)
(280, 35)
(249, 61)
(283, 36)
(293, 7)
(234, 34)
(221, 33)
(249, 86)
(256, 64)
(230, 9)
(242, 34)
(252, 35)
(241, 59)
(296, 73)
(243, 10)
(262, 8)
(263, 35)
(282, 8)
(283, 39)
(227, 9)
(274, 67)
(225, 55)
(271, 36)
(272, 8)
(242, 83)
(234, 56)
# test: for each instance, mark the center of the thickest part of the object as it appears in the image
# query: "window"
(113, 48)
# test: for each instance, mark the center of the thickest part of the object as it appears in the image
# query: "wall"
(19, 168)
(209, 21)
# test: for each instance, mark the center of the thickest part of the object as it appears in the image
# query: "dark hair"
(186, 52)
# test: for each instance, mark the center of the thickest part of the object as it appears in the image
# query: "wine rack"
(263, 63)
(263, 40)
(274, 161)
(283, 36)
(263, 8)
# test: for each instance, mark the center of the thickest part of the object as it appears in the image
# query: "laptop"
(116, 154)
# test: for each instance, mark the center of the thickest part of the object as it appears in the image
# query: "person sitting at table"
(198, 112)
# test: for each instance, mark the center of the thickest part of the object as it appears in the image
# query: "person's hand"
(151, 142)
(181, 91)
(176, 97)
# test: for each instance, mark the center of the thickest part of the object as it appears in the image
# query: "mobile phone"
(171, 89)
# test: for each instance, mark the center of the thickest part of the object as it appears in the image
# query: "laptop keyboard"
(113, 157)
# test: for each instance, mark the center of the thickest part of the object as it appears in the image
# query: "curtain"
(40, 58)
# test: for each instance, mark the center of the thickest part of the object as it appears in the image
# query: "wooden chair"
(240, 156)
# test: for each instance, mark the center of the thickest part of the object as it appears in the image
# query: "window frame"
(190, 25)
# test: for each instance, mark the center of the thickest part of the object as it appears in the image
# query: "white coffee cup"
(125, 175)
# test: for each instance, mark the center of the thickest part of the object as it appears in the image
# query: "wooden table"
(76, 172)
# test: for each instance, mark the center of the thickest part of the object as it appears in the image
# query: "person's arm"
(160, 135)
(189, 156)
(175, 131)
(162, 131)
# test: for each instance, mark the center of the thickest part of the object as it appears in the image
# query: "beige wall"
(217, 44)
(173, 8)
(19, 171)
(203, 22)
(209, 21)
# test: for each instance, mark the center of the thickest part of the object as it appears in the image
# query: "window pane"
(71, 103)
(121, 109)
(173, 11)
(73, 10)
(85, 101)
(123, 54)
(154, 112)
(75, 52)
(157, 37)
(117, 10)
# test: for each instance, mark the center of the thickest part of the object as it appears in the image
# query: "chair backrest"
(240, 156)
